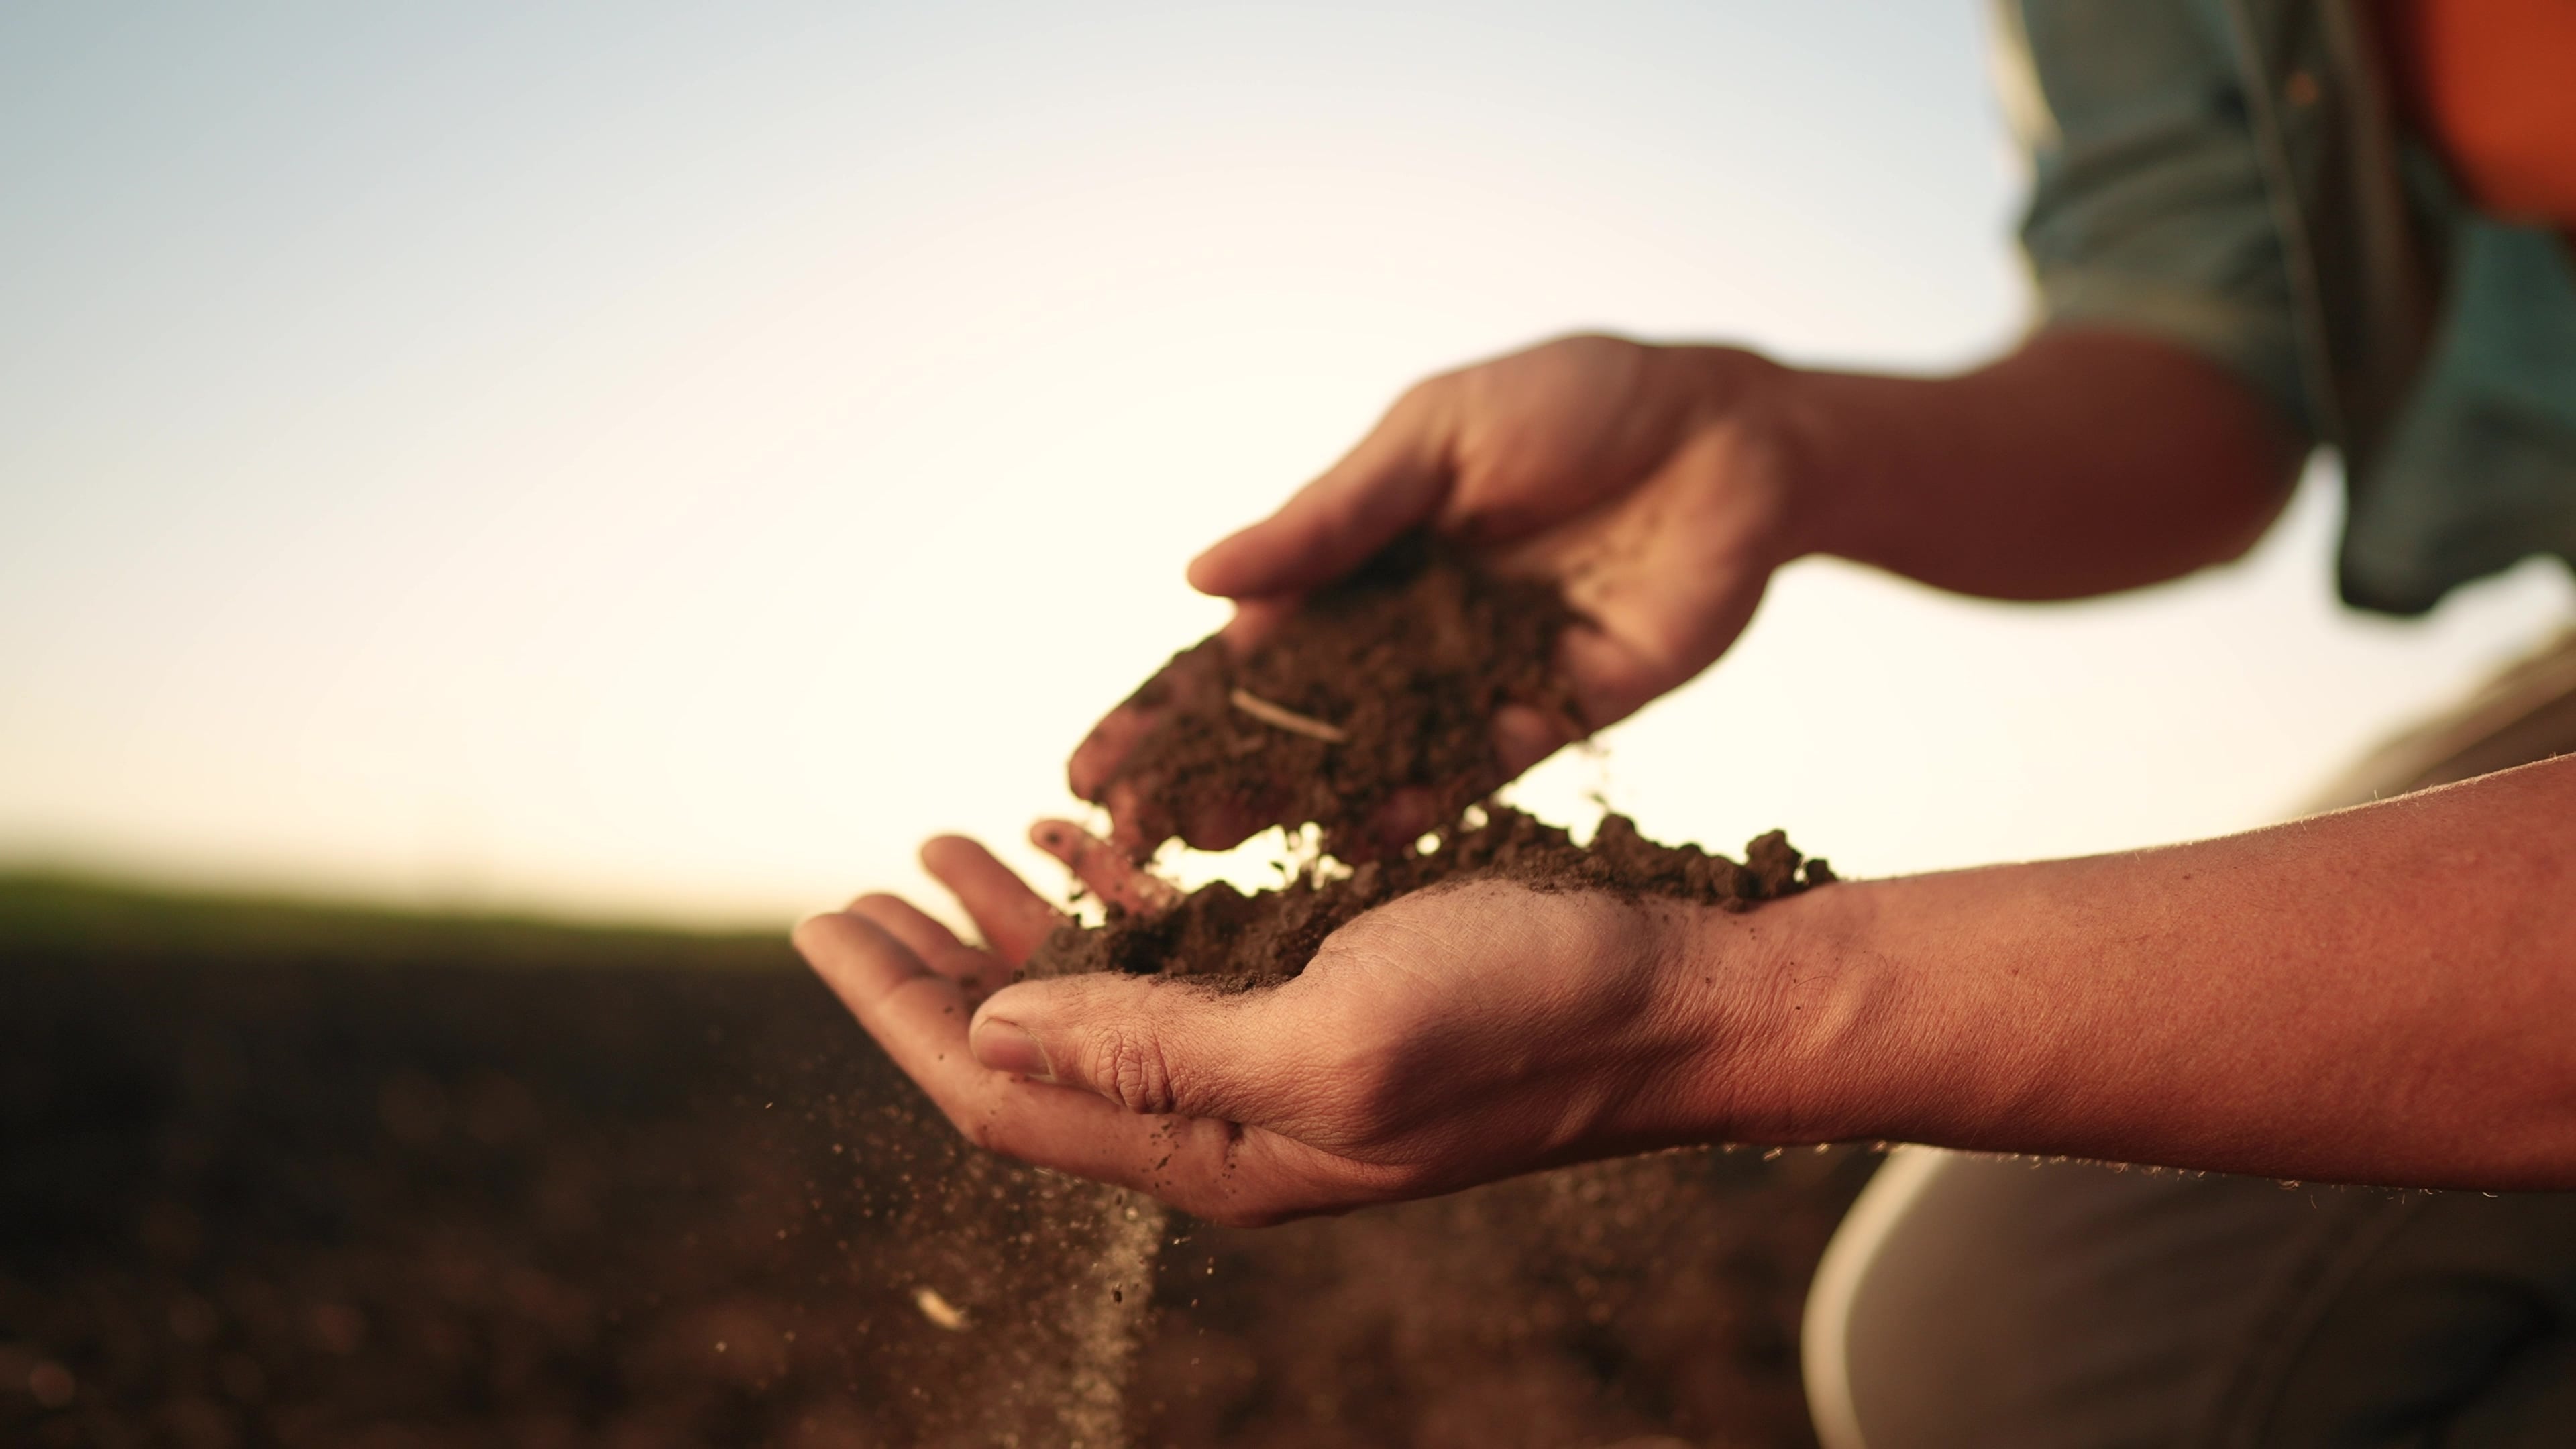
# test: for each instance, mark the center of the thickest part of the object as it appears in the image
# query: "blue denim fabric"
(2223, 174)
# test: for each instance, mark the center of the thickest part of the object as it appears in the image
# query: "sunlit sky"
(662, 462)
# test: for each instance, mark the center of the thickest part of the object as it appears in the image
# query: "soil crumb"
(1381, 687)
(1220, 934)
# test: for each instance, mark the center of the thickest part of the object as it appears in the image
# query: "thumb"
(1150, 1045)
(1397, 477)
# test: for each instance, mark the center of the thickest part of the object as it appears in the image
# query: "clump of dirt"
(1380, 688)
(1218, 932)
(1379, 692)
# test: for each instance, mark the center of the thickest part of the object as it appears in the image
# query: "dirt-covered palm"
(1648, 480)
(1449, 1038)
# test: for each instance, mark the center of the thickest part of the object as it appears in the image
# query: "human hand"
(1649, 482)
(1453, 1037)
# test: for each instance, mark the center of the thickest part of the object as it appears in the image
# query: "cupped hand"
(1651, 482)
(1453, 1037)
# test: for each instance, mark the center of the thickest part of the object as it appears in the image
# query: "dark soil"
(1389, 682)
(1375, 699)
(1218, 931)
(296, 1177)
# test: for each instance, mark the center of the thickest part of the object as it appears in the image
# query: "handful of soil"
(1379, 692)
(1381, 687)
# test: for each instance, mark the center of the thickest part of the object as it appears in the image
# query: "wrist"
(1831, 434)
(1802, 1021)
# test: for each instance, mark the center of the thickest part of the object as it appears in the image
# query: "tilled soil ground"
(281, 1176)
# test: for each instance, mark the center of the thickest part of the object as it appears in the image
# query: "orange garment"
(2493, 84)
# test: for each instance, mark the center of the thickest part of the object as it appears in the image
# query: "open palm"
(1449, 1038)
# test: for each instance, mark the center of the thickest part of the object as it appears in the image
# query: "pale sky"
(662, 462)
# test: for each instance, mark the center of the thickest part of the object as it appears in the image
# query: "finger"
(919, 933)
(1406, 814)
(1222, 825)
(1254, 621)
(1611, 678)
(1096, 760)
(1138, 825)
(1012, 917)
(1523, 736)
(1104, 868)
(1396, 478)
(1175, 688)
(1214, 1169)
(975, 972)
(1190, 682)
(916, 1014)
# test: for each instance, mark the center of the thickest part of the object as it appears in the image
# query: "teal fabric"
(2148, 208)
(2480, 472)
(2152, 210)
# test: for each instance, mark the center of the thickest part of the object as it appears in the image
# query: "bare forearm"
(2084, 463)
(2385, 994)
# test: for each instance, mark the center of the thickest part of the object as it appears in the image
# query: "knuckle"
(1129, 1068)
(1426, 401)
(1426, 391)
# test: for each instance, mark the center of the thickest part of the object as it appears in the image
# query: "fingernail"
(1004, 1047)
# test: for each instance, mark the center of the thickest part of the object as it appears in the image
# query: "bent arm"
(2385, 994)
(2085, 462)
